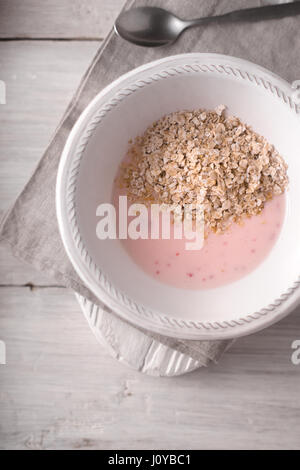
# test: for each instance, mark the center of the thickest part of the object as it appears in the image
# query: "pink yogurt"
(223, 258)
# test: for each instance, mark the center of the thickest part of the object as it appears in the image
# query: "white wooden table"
(59, 389)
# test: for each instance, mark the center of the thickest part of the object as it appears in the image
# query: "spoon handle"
(269, 12)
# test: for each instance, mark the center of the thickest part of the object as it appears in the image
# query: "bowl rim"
(117, 301)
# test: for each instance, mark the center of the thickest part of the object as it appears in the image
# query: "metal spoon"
(151, 26)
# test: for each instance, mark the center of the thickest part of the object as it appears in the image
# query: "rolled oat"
(187, 157)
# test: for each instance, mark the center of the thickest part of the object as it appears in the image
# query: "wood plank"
(59, 389)
(57, 19)
(41, 78)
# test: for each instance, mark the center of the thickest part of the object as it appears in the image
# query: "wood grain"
(41, 78)
(59, 389)
(58, 19)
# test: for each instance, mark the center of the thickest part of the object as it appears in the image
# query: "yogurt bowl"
(89, 163)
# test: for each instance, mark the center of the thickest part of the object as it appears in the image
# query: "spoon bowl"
(149, 26)
(153, 27)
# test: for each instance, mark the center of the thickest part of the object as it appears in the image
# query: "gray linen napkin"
(30, 226)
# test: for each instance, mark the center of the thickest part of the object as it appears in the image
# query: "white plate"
(143, 353)
(89, 163)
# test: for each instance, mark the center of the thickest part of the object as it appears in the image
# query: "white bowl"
(89, 164)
